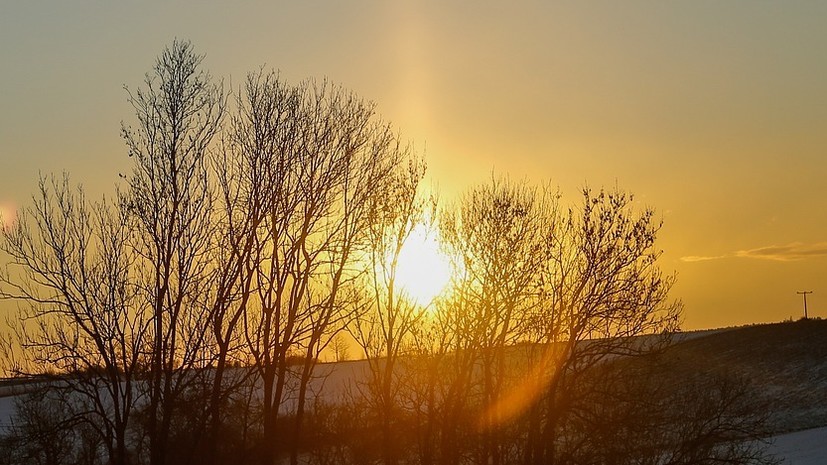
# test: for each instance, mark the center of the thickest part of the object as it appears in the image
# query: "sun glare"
(8, 214)
(423, 271)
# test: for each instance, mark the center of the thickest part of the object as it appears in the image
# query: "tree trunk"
(215, 407)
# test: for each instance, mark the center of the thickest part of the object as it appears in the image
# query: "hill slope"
(786, 363)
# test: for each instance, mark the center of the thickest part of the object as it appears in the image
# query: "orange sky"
(712, 112)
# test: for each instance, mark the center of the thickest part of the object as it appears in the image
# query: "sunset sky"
(714, 113)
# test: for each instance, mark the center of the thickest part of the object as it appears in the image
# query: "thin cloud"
(696, 258)
(784, 253)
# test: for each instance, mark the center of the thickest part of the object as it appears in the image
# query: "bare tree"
(170, 200)
(314, 155)
(495, 235)
(599, 289)
(242, 177)
(384, 328)
(83, 322)
(340, 347)
(575, 286)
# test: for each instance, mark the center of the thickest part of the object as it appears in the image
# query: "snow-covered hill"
(787, 363)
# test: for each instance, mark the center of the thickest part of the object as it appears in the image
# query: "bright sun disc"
(422, 271)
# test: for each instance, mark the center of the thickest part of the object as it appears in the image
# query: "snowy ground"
(808, 447)
(6, 412)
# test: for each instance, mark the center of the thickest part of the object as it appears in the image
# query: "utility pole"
(804, 293)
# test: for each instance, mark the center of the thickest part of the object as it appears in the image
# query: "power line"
(804, 293)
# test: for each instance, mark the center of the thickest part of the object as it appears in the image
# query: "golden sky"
(714, 113)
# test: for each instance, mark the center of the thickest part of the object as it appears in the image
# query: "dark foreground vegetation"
(182, 319)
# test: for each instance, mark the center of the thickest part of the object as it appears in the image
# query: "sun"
(422, 270)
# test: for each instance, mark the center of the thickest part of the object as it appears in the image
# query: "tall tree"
(316, 155)
(599, 289)
(384, 328)
(169, 197)
(495, 235)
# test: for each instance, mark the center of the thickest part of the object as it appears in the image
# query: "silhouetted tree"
(574, 287)
(170, 202)
(384, 328)
(600, 287)
(315, 155)
(495, 235)
(82, 322)
(340, 347)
